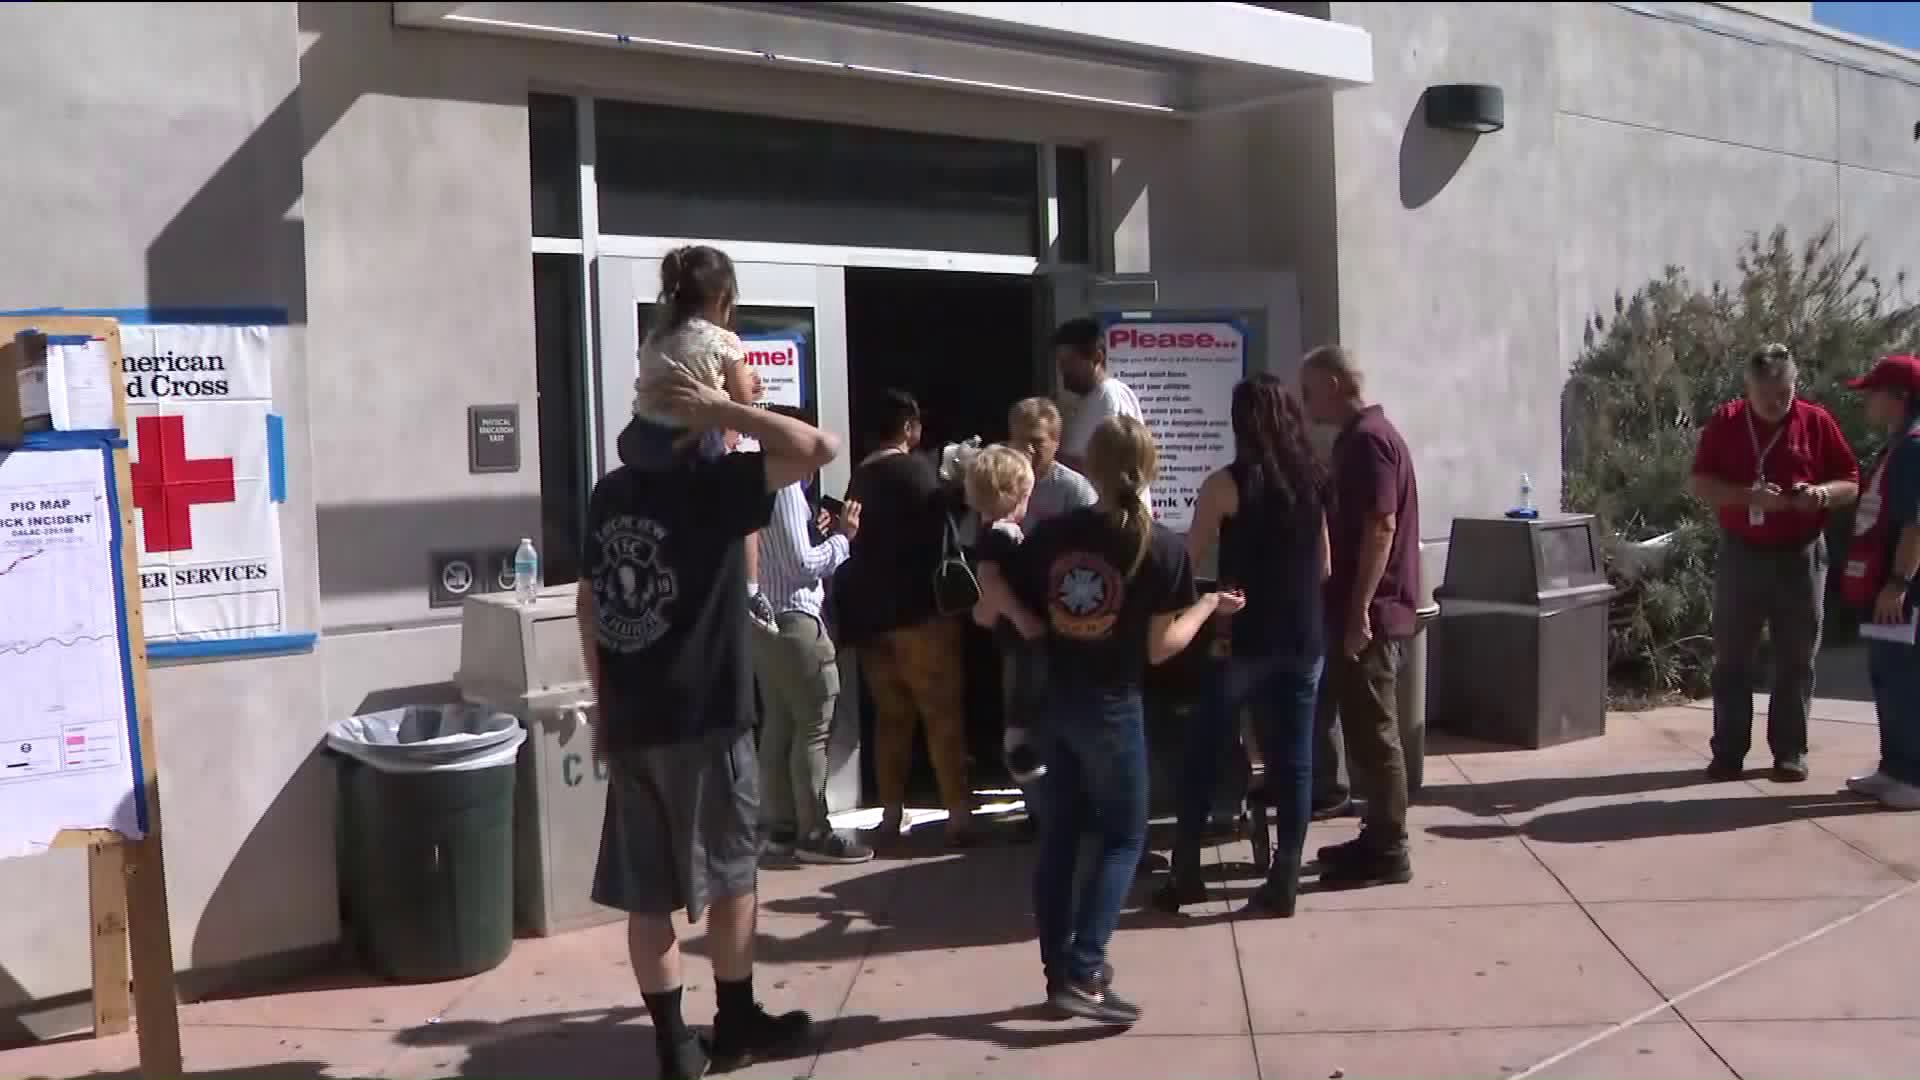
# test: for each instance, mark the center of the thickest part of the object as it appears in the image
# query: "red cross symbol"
(167, 485)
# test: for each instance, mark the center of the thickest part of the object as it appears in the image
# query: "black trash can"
(426, 838)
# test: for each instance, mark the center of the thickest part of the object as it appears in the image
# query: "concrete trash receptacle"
(1522, 643)
(525, 659)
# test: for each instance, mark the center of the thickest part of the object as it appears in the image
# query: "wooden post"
(127, 881)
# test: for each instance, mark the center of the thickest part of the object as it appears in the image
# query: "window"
(722, 176)
(1072, 184)
(554, 143)
(562, 414)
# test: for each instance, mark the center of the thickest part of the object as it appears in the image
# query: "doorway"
(966, 346)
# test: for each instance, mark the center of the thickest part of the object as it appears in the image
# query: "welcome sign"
(781, 364)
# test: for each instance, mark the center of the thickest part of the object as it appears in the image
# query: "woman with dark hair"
(887, 613)
(1266, 513)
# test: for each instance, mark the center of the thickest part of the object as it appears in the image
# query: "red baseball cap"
(1891, 373)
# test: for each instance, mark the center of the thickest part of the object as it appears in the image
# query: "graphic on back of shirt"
(634, 588)
(1084, 596)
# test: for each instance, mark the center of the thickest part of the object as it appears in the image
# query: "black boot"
(1184, 884)
(1277, 898)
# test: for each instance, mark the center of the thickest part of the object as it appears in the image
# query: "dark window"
(560, 362)
(723, 176)
(553, 139)
(1072, 181)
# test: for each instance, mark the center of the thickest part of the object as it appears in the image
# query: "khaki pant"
(799, 689)
(1365, 695)
(915, 675)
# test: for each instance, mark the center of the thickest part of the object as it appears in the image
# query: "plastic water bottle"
(526, 571)
(1525, 509)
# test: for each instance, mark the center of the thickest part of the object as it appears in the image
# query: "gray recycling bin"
(425, 844)
(1520, 655)
(525, 659)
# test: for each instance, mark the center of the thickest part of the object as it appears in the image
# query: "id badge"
(1756, 517)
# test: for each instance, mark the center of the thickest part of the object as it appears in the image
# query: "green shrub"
(1652, 372)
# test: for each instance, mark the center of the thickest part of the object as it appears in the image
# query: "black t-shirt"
(1002, 549)
(666, 559)
(1073, 572)
(887, 582)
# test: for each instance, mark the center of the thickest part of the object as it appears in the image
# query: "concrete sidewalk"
(1563, 898)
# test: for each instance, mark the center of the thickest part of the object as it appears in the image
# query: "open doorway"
(966, 346)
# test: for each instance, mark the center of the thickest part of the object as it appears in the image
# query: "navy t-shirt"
(1901, 494)
(1072, 571)
(665, 556)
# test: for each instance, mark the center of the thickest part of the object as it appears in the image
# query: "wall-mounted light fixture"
(1473, 107)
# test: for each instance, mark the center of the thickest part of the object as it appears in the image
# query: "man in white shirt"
(1080, 352)
(798, 671)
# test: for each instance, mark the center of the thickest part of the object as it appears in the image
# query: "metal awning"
(1177, 59)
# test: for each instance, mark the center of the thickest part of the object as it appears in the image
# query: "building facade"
(459, 205)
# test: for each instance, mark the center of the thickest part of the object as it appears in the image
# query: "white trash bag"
(429, 738)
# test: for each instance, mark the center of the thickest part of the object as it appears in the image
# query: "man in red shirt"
(1771, 466)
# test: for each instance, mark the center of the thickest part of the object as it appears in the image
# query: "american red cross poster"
(205, 447)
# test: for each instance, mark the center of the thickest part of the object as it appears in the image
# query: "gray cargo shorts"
(682, 826)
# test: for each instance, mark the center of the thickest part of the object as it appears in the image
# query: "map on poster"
(206, 453)
(65, 758)
(1184, 374)
(781, 364)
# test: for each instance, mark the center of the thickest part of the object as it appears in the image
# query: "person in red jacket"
(1771, 466)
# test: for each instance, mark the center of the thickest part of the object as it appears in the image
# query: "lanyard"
(1760, 452)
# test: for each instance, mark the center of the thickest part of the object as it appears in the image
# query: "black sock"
(669, 1028)
(735, 997)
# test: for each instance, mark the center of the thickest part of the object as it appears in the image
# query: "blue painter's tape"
(68, 339)
(277, 457)
(126, 649)
(72, 440)
(174, 316)
(232, 648)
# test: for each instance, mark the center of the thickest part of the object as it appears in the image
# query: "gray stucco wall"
(142, 181)
(1467, 266)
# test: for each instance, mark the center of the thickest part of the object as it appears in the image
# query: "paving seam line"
(1675, 1000)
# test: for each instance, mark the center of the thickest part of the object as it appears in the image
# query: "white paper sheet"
(80, 386)
(65, 762)
(1900, 633)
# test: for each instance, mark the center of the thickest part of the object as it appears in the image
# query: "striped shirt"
(793, 569)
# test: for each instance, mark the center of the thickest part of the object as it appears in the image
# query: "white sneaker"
(1900, 796)
(1871, 784)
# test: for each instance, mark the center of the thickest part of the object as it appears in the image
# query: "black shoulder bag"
(955, 588)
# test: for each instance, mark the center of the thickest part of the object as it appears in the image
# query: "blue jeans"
(1895, 671)
(1095, 748)
(1281, 692)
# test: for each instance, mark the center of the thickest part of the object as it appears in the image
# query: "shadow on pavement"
(1667, 817)
(283, 1070)
(617, 1044)
(1526, 795)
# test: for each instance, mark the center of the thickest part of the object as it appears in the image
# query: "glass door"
(791, 316)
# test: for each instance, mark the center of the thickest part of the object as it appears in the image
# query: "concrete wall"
(1633, 141)
(139, 180)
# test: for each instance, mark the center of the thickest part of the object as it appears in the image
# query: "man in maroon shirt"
(1373, 529)
(1771, 465)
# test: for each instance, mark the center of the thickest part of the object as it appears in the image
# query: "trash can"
(1411, 696)
(426, 838)
(525, 659)
(1521, 647)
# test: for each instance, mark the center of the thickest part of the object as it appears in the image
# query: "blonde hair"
(1034, 413)
(1336, 361)
(1122, 464)
(999, 479)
